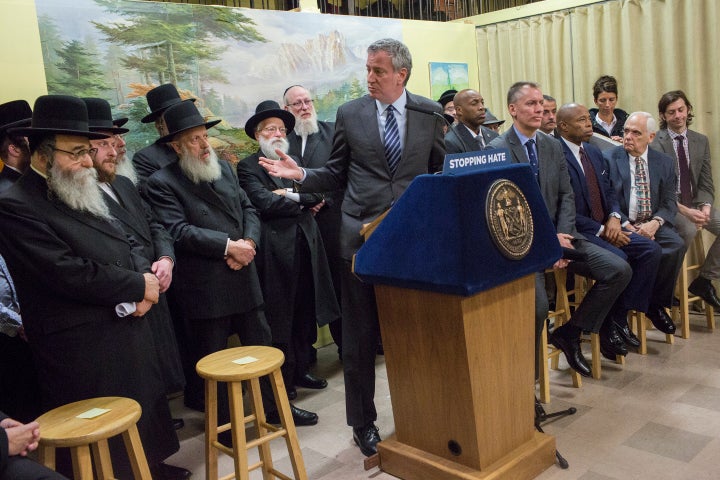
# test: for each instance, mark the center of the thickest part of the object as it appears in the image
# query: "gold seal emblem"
(509, 219)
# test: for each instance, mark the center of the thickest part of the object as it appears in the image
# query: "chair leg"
(260, 423)
(136, 453)
(82, 462)
(211, 433)
(595, 349)
(103, 463)
(237, 421)
(288, 424)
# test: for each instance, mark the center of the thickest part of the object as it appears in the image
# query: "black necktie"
(596, 209)
(686, 194)
(532, 157)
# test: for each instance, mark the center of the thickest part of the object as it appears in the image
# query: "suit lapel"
(696, 158)
(368, 112)
(126, 214)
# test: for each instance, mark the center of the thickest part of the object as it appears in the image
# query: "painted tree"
(175, 43)
(80, 73)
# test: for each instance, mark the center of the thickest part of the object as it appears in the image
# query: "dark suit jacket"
(200, 218)
(663, 182)
(459, 139)
(317, 153)
(8, 177)
(584, 222)
(700, 165)
(617, 131)
(553, 177)
(281, 218)
(149, 160)
(358, 163)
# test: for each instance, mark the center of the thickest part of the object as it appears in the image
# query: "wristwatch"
(660, 220)
(616, 215)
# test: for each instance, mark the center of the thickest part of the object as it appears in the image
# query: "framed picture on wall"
(448, 76)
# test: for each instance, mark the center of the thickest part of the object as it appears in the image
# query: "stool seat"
(219, 366)
(61, 427)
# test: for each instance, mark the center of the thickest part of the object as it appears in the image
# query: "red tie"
(686, 195)
(596, 209)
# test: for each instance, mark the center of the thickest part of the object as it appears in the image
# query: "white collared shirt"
(400, 117)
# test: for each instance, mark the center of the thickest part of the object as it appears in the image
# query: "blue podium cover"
(436, 236)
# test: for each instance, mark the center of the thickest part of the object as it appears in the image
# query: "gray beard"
(197, 170)
(78, 190)
(267, 147)
(126, 168)
(303, 128)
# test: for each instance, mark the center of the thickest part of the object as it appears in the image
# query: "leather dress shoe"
(573, 354)
(178, 423)
(163, 471)
(662, 321)
(703, 288)
(367, 438)
(627, 335)
(292, 393)
(301, 417)
(311, 381)
(617, 344)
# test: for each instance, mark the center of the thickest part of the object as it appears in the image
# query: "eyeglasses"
(299, 104)
(76, 156)
(272, 130)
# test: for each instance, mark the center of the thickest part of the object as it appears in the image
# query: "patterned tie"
(532, 157)
(480, 141)
(642, 189)
(596, 208)
(686, 194)
(393, 152)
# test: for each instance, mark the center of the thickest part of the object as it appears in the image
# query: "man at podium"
(610, 272)
(382, 142)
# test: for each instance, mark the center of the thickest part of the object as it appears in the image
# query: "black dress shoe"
(573, 354)
(178, 423)
(662, 321)
(292, 393)
(301, 417)
(163, 471)
(367, 438)
(616, 343)
(311, 381)
(627, 335)
(703, 288)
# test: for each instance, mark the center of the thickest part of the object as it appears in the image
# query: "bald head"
(470, 108)
(573, 123)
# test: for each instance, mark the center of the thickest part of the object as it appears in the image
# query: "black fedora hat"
(59, 115)
(14, 114)
(491, 119)
(183, 116)
(119, 122)
(447, 97)
(269, 109)
(160, 99)
(100, 116)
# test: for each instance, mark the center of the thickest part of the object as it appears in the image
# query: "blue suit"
(641, 253)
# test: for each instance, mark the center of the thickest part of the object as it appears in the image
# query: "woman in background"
(606, 119)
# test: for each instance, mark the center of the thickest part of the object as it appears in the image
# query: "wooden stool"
(681, 313)
(61, 427)
(233, 366)
(638, 324)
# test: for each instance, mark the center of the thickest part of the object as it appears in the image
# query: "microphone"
(427, 111)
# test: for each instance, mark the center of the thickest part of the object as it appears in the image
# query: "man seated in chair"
(16, 441)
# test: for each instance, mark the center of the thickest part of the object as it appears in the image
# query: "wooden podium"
(460, 367)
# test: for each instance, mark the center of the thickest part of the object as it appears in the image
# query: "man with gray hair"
(645, 182)
(381, 144)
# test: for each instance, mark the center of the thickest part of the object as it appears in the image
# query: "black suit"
(8, 177)
(216, 300)
(149, 160)
(358, 163)
(18, 467)
(459, 139)
(663, 199)
(138, 220)
(71, 269)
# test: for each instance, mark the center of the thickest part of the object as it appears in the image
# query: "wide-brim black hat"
(160, 99)
(14, 114)
(447, 97)
(119, 122)
(58, 115)
(183, 116)
(491, 119)
(269, 109)
(100, 116)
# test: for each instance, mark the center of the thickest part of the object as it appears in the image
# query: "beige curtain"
(650, 46)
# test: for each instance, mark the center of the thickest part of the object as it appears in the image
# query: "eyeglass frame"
(76, 156)
(272, 129)
(300, 103)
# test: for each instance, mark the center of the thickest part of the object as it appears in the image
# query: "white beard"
(126, 168)
(78, 190)
(305, 127)
(268, 146)
(198, 170)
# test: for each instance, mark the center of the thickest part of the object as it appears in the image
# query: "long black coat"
(281, 219)
(70, 270)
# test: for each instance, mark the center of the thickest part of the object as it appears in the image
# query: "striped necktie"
(393, 152)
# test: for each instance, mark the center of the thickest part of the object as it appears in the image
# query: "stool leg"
(136, 453)
(103, 463)
(237, 422)
(263, 448)
(595, 355)
(710, 316)
(211, 434)
(283, 406)
(46, 456)
(642, 333)
(82, 463)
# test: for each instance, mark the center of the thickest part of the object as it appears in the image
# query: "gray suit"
(459, 139)
(703, 192)
(610, 272)
(358, 162)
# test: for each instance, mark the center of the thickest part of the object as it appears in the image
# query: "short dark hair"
(671, 97)
(397, 51)
(606, 83)
(43, 144)
(6, 140)
(514, 91)
(548, 98)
